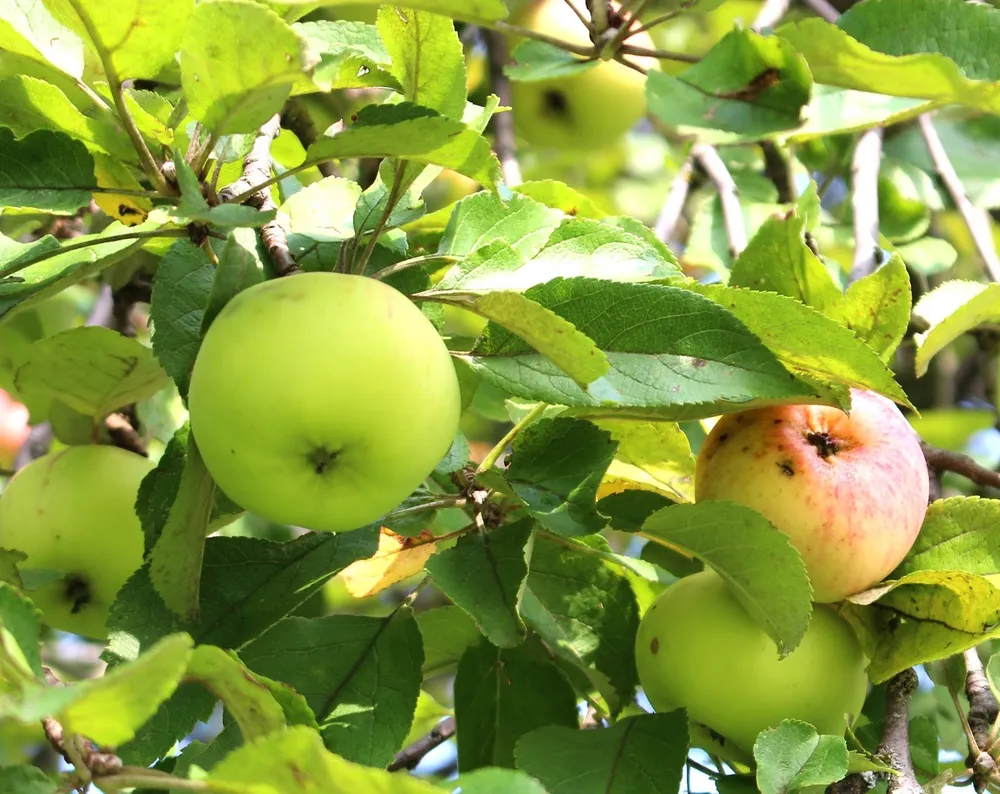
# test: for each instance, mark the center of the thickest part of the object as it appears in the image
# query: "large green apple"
(850, 491)
(73, 511)
(590, 110)
(322, 400)
(698, 648)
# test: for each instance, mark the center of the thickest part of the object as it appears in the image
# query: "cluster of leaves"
(599, 347)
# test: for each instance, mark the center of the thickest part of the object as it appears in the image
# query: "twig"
(124, 435)
(777, 170)
(895, 745)
(864, 199)
(494, 454)
(517, 30)
(708, 158)
(503, 123)
(103, 311)
(579, 14)
(257, 172)
(87, 754)
(855, 783)
(983, 707)
(770, 14)
(413, 754)
(943, 460)
(673, 206)
(296, 118)
(976, 219)
(667, 55)
(823, 9)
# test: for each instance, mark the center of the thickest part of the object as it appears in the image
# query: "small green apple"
(73, 511)
(698, 648)
(322, 400)
(590, 110)
(850, 491)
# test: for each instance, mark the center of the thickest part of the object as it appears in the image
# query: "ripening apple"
(850, 490)
(14, 428)
(322, 400)
(73, 511)
(589, 110)
(698, 648)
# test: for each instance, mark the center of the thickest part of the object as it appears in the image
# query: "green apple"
(322, 400)
(73, 511)
(589, 110)
(698, 648)
(850, 491)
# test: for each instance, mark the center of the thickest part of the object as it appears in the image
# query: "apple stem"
(494, 454)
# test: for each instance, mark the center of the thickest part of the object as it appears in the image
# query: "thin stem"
(494, 454)
(702, 768)
(149, 165)
(397, 183)
(668, 55)
(864, 201)
(437, 504)
(673, 206)
(416, 261)
(626, 30)
(111, 238)
(239, 198)
(205, 153)
(144, 780)
(824, 9)
(207, 248)
(579, 14)
(516, 30)
(661, 19)
(732, 212)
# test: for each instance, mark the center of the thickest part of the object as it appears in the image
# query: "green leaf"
(175, 561)
(351, 55)
(29, 29)
(427, 58)
(48, 171)
(483, 573)
(412, 133)
(181, 290)
(585, 611)
(448, 631)
(877, 307)
(777, 259)
(560, 196)
(555, 470)
(637, 755)
(808, 343)
(794, 756)
(252, 706)
(26, 779)
(747, 87)
(502, 694)
(742, 546)
(28, 104)
(324, 210)
(951, 310)
(534, 60)
(20, 623)
(958, 534)
(495, 780)
(231, 82)
(294, 760)
(652, 456)
(465, 10)
(692, 369)
(833, 110)
(108, 710)
(140, 37)
(239, 268)
(360, 675)
(93, 370)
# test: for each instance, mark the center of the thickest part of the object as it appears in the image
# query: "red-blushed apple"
(322, 400)
(849, 490)
(589, 110)
(698, 648)
(14, 428)
(73, 512)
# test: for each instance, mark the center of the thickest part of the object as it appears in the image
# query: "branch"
(413, 754)
(983, 707)
(256, 173)
(943, 460)
(823, 9)
(976, 219)
(864, 200)
(673, 206)
(770, 14)
(895, 745)
(667, 55)
(91, 757)
(297, 119)
(124, 435)
(777, 170)
(503, 123)
(708, 158)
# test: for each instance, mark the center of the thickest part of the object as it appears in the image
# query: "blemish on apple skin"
(723, 437)
(654, 645)
(786, 468)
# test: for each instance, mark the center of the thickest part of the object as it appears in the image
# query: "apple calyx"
(77, 591)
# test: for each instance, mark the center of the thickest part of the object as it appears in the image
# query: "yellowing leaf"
(398, 558)
(110, 173)
(651, 456)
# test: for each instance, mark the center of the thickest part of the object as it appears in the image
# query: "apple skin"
(850, 491)
(587, 111)
(74, 511)
(322, 400)
(698, 648)
(14, 428)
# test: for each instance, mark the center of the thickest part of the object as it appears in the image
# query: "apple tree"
(529, 396)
